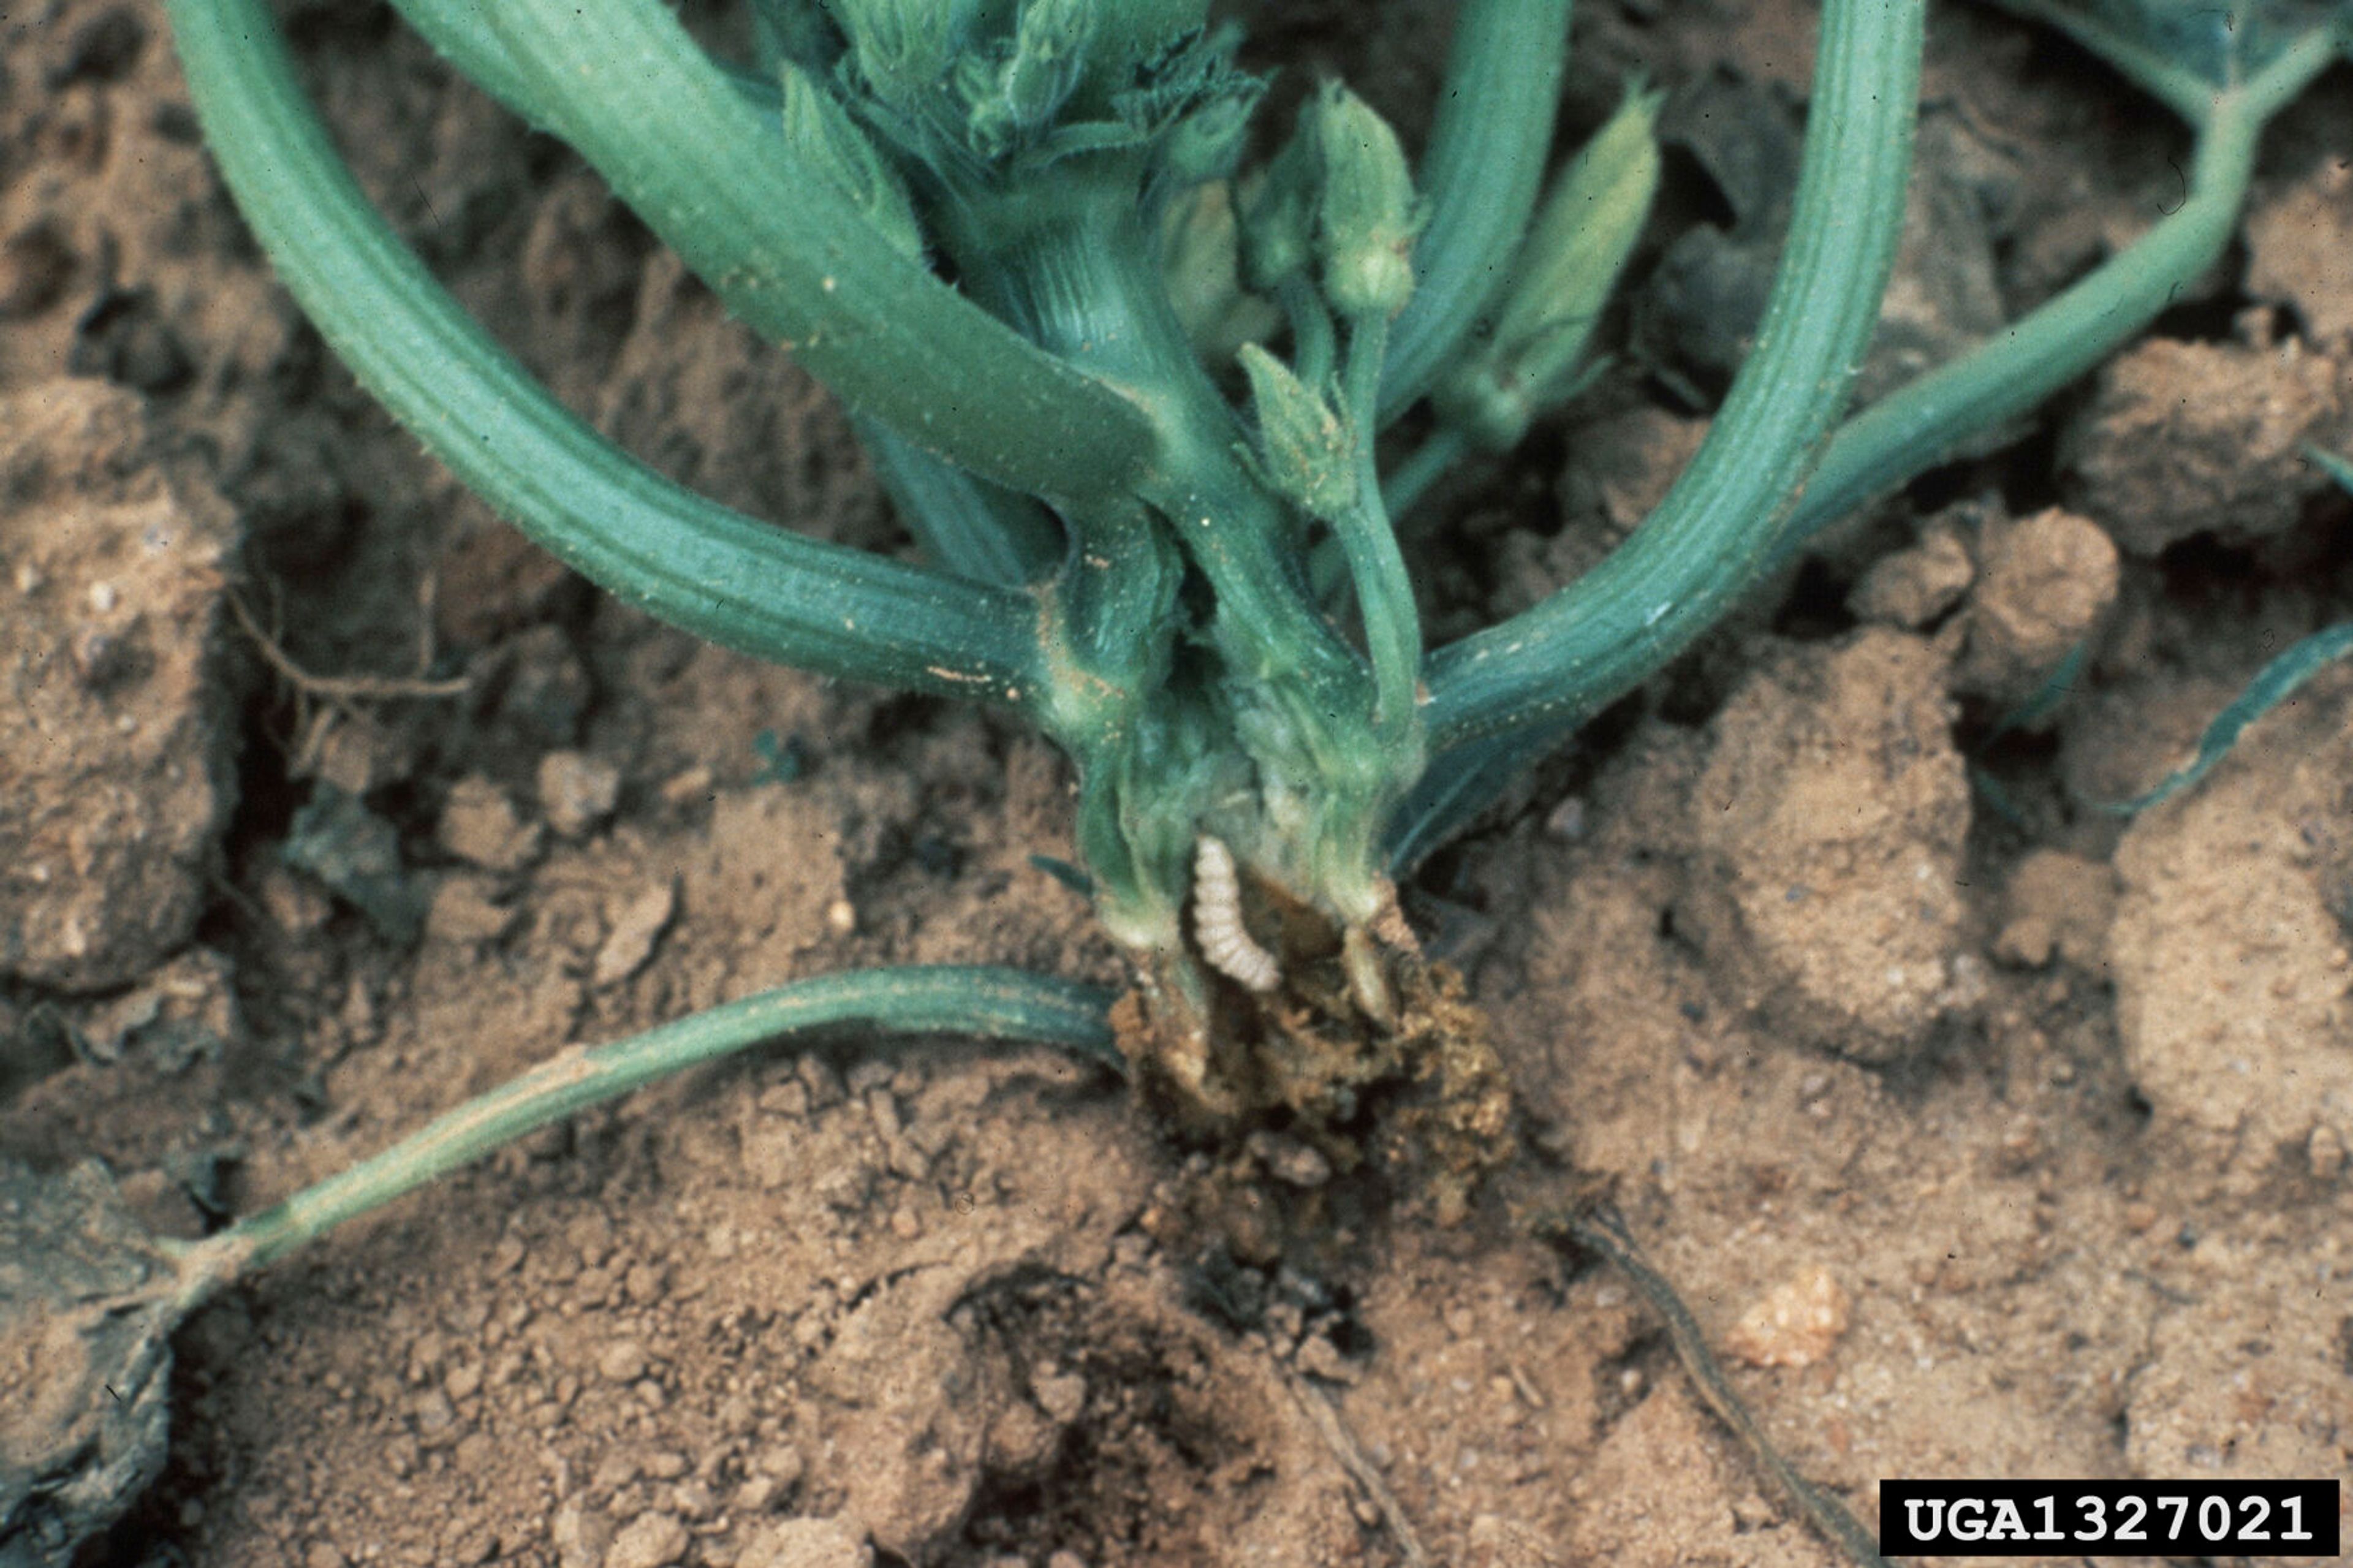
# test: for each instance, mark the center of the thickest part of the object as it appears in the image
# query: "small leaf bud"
(1049, 54)
(1560, 280)
(1307, 452)
(1207, 143)
(1368, 217)
(903, 47)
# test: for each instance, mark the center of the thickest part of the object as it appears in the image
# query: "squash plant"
(1123, 529)
(1168, 545)
(1179, 562)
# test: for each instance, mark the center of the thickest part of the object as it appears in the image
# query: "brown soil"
(1988, 1144)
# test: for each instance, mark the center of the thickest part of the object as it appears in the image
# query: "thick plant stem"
(791, 255)
(968, 526)
(1926, 423)
(1089, 287)
(1312, 343)
(1481, 173)
(1384, 589)
(689, 560)
(995, 1004)
(1587, 642)
(464, 36)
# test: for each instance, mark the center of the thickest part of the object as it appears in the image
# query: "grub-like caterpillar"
(1218, 920)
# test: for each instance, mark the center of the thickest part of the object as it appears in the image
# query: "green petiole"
(1922, 424)
(723, 575)
(983, 1003)
(1560, 662)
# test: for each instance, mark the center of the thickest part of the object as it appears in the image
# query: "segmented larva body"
(1218, 920)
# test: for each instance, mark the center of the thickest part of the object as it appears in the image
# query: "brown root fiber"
(1419, 1094)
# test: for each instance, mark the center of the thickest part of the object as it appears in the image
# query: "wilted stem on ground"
(985, 1002)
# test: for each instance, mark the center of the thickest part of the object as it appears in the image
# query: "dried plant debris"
(86, 1308)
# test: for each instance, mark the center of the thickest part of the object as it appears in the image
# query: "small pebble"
(623, 1361)
(684, 788)
(1319, 1357)
(806, 1543)
(645, 1284)
(577, 792)
(1062, 1396)
(465, 911)
(2325, 1153)
(579, 1536)
(636, 929)
(1913, 587)
(480, 824)
(616, 1469)
(648, 1541)
(1288, 1161)
(1796, 1323)
(434, 1414)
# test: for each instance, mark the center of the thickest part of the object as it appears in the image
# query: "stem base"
(1405, 1080)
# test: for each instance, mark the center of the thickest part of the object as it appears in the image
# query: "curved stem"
(1384, 590)
(1673, 580)
(2168, 81)
(1312, 351)
(790, 255)
(1457, 788)
(1927, 421)
(969, 526)
(989, 1003)
(1401, 491)
(1480, 175)
(689, 560)
(464, 36)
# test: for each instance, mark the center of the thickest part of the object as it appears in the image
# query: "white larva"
(1218, 920)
